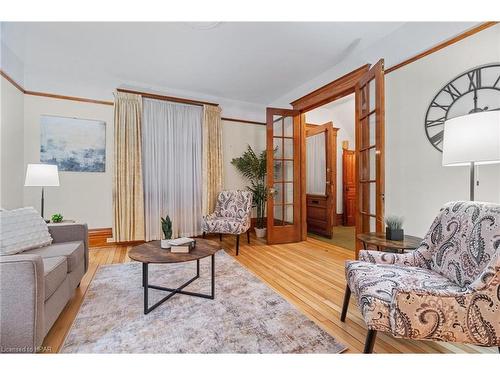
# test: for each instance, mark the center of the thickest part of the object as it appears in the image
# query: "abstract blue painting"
(74, 145)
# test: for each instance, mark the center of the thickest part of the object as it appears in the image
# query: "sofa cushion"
(74, 252)
(22, 229)
(374, 285)
(55, 270)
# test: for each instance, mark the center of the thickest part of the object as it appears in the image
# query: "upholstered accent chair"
(232, 215)
(446, 290)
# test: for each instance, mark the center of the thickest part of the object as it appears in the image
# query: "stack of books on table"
(182, 245)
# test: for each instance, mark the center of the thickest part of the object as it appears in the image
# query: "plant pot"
(394, 234)
(260, 232)
(165, 244)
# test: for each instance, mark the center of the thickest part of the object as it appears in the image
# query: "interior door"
(370, 150)
(349, 187)
(284, 182)
(321, 206)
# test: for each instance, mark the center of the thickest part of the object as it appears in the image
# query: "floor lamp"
(42, 175)
(473, 139)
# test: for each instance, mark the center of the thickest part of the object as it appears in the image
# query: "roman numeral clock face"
(473, 91)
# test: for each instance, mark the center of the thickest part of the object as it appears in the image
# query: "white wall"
(416, 183)
(235, 138)
(85, 197)
(341, 113)
(12, 145)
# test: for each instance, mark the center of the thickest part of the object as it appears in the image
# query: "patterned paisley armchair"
(446, 290)
(232, 215)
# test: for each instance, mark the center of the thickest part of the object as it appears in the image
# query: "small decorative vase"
(165, 244)
(394, 234)
(260, 232)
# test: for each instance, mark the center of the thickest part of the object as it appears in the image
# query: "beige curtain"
(212, 157)
(128, 197)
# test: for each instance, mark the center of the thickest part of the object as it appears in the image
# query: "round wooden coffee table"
(151, 252)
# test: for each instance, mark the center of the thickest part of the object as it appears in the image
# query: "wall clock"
(473, 91)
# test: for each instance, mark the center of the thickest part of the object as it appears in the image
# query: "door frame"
(331, 167)
(332, 91)
(344, 194)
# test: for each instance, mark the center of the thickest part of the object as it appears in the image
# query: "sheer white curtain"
(316, 164)
(172, 163)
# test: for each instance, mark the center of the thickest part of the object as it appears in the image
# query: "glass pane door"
(283, 222)
(370, 151)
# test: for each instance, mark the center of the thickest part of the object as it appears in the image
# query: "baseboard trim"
(98, 237)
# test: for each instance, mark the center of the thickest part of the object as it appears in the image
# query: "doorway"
(367, 85)
(333, 223)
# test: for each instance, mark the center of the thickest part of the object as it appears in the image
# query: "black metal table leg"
(145, 285)
(213, 276)
(179, 290)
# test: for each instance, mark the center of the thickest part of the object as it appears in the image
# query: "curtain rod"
(167, 98)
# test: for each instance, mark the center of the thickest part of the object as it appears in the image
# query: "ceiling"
(245, 61)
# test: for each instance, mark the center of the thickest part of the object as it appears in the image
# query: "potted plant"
(253, 167)
(166, 227)
(57, 218)
(394, 228)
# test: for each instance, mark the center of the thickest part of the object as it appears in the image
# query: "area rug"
(246, 316)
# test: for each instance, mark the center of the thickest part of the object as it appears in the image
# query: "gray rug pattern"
(246, 316)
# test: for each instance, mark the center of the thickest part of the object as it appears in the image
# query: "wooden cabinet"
(317, 215)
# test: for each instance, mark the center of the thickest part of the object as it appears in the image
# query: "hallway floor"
(342, 236)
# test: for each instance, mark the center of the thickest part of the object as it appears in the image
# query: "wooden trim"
(53, 96)
(14, 83)
(339, 219)
(442, 45)
(243, 121)
(99, 237)
(64, 97)
(332, 91)
(167, 98)
(317, 129)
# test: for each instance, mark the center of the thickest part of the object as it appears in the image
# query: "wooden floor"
(309, 274)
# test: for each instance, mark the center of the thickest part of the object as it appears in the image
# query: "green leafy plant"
(394, 222)
(166, 227)
(57, 218)
(253, 167)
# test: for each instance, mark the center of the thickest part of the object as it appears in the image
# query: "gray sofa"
(36, 285)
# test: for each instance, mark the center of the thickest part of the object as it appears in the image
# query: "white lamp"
(42, 175)
(472, 139)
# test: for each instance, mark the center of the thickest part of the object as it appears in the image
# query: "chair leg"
(203, 235)
(237, 244)
(248, 236)
(347, 296)
(370, 341)
(220, 236)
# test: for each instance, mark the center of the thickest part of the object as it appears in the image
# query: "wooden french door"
(370, 150)
(322, 208)
(349, 187)
(284, 180)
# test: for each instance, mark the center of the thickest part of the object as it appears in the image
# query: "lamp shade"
(41, 175)
(472, 138)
